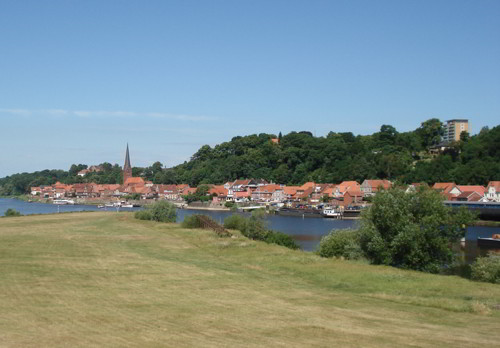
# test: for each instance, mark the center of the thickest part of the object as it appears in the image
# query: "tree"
(430, 132)
(411, 230)
(12, 212)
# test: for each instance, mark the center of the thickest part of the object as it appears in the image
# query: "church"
(133, 184)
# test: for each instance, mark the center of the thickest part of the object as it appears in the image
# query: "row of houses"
(468, 193)
(346, 193)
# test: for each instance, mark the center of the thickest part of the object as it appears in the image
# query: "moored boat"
(488, 242)
(332, 213)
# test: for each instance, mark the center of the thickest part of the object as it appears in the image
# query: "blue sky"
(80, 79)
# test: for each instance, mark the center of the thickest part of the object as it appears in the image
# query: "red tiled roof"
(495, 184)
(375, 184)
(134, 181)
(472, 188)
(307, 185)
(345, 185)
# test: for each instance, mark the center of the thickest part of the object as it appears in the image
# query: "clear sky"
(80, 79)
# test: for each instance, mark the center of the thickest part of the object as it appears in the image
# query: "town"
(245, 192)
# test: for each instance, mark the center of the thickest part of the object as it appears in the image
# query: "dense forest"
(298, 157)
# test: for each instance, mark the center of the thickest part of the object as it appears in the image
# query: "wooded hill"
(298, 157)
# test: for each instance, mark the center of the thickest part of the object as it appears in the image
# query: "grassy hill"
(106, 279)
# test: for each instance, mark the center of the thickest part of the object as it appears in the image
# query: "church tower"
(127, 168)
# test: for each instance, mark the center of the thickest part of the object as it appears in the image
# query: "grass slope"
(106, 279)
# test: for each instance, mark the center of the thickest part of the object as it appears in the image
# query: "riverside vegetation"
(410, 231)
(301, 157)
(108, 279)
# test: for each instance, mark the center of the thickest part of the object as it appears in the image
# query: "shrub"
(486, 269)
(143, 215)
(235, 222)
(191, 222)
(229, 204)
(255, 228)
(280, 238)
(341, 243)
(411, 230)
(12, 212)
(161, 211)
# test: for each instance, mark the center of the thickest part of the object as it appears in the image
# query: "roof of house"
(306, 193)
(470, 195)
(376, 183)
(307, 185)
(495, 184)
(345, 185)
(442, 185)
(354, 193)
(134, 181)
(290, 190)
(472, 188)
(242, 194)
(219, 190)
(241, 182)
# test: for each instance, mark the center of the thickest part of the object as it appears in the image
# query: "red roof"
(346, 185)
(495, 184)
(242, 194)
(375, 184)
(472, 188)
(134, 181)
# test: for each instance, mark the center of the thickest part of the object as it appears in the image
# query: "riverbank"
(486, 223)
(187, 207)
(106, 279)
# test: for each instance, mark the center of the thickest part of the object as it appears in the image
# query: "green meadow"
(105, 279)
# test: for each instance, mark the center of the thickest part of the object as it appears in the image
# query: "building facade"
(453, 129)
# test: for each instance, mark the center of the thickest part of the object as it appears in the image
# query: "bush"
(191, 222)
(341, 243)
(235, 222)
(280, 238)
(486, 269)
(161, 211)
(12, 212)
(229, 204)
(411, 230)
(143, 215)
(255, 228)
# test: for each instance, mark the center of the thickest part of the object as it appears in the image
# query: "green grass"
(106, 279)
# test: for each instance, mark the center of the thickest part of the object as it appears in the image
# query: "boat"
(63, 201)
(127, 205)
(109, 205)
(488, 242)
(332, 213)
(314, 213)
(101, 206)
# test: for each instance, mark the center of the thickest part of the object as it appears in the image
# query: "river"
(306, 232)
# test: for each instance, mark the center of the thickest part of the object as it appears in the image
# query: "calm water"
(307, 232)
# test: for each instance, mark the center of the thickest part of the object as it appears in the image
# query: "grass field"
(106, 279)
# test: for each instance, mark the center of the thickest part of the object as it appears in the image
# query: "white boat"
(63, 201)
(101, 206)
(127, 205)
(332, 213)
(111, 205)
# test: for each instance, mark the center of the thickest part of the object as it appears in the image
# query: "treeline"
(298, 157)
(18, 184)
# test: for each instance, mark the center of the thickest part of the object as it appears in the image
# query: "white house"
(493, 191)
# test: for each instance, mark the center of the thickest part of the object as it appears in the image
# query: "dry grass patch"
(105, 279)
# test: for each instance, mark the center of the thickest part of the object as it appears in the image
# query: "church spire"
(127, 168)
(127, 160)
